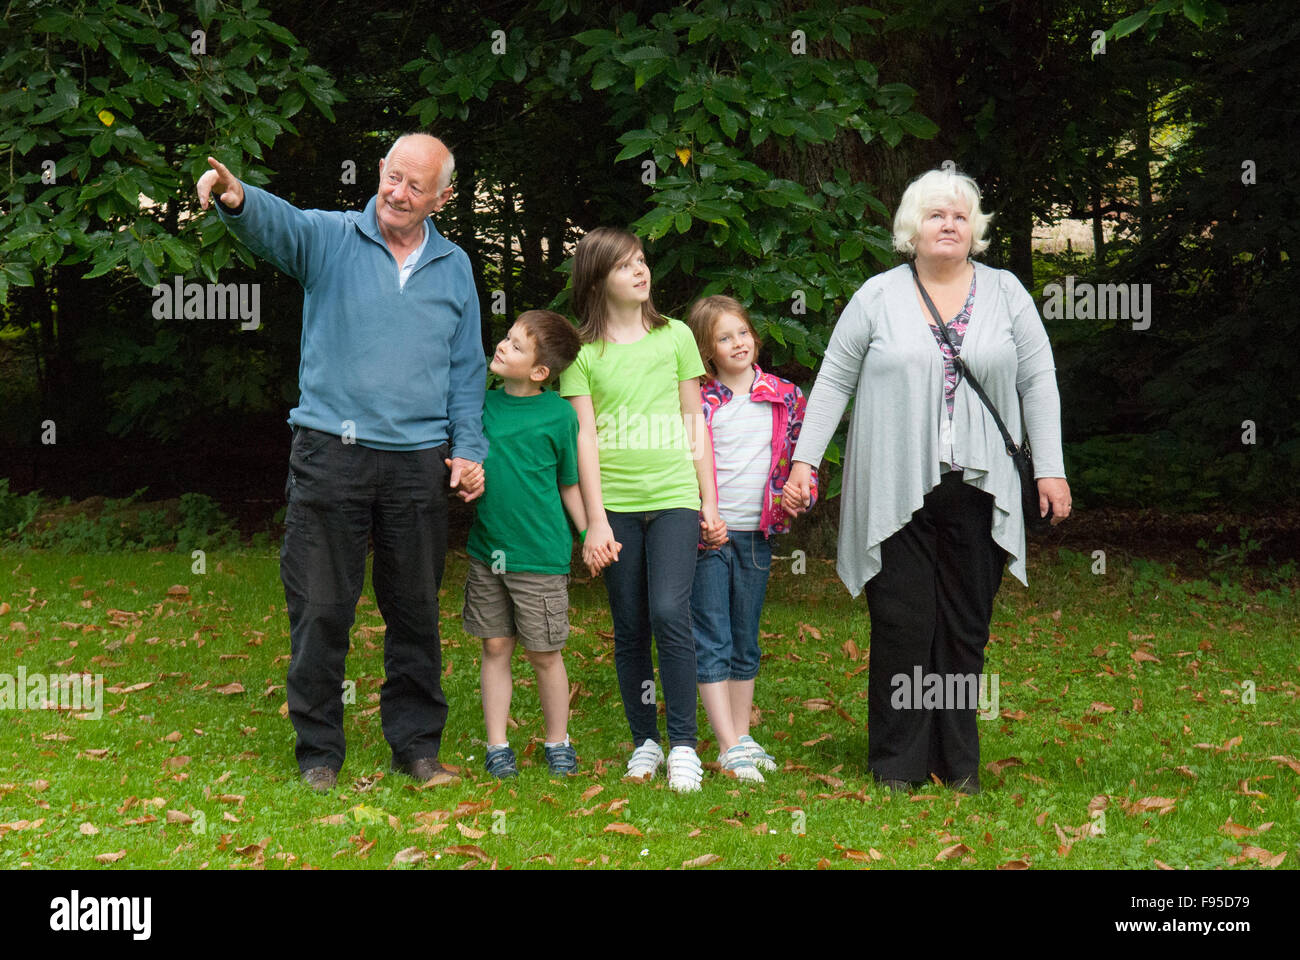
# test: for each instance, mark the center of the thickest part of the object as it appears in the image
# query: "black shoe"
(902, 786)
(320, 779)
(967, 785)
(424, 769)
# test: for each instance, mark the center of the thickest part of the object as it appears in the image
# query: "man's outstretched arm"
(293, 240)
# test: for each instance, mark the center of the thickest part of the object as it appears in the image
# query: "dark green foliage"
(109, 525)
(775, 173)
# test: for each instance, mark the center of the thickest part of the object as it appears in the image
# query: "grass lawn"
(1143, 720)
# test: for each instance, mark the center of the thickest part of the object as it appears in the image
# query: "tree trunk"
(1098, 236)
(1143, 137)
(467, 238)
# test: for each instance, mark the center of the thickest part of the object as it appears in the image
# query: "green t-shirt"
(645, 459)
(532, 452)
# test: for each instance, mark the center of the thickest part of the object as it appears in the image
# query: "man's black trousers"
(339, 494)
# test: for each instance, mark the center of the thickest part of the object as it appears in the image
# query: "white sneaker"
(738, 762)
(684, 770)
(645, 761)
(762, 759)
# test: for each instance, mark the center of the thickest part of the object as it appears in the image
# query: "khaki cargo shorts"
(531, 607)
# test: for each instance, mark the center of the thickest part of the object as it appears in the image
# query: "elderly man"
(392, 379)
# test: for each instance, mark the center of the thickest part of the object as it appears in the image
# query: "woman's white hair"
(937, 188)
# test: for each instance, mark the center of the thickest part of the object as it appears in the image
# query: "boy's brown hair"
(599, 252)
(704, 317)
(555, 341)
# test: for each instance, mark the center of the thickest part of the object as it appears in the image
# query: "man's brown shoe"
(320, 779)
(425, 769)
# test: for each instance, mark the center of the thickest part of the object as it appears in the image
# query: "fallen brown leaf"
(956, 850)
(468, 850)
(703, 860)
(409, 855)
(996, 767)
(620, 826)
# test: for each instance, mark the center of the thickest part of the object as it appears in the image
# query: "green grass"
(1059, 648)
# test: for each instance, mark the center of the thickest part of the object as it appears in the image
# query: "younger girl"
(634, 387)
(753, 420)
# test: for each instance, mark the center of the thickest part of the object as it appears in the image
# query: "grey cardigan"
(882, 350)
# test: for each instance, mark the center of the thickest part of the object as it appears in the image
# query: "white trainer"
(645, 761)
(762, 759)
(738, 762)
(684, 770)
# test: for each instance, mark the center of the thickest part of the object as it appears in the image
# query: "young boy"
(520, 544)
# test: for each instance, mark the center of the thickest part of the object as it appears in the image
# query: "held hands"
(229, 190)
(1054, 491)
(796, 496)
(600, 549)
(466, 476)
(712, 529)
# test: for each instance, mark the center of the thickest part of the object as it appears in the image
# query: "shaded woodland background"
(780, 137)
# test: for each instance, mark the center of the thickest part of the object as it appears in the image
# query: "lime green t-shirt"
(532, 451)
(645, 458)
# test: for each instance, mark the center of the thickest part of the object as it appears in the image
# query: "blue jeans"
(649, 590)
(726, 601)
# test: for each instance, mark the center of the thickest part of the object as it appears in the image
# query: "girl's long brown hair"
(599, 252)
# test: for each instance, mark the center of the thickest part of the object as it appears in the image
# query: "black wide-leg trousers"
(339, 495)
(930, 606)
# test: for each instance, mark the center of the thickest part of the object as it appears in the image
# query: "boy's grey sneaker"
(501, 763)
(562, 760)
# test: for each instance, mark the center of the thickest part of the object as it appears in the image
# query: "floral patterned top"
(957, 332)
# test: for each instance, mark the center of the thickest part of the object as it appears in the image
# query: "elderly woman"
(931, 500)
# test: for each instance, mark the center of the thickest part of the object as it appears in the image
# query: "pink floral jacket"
(788, 404)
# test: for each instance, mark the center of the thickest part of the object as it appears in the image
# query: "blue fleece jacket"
(404, 364)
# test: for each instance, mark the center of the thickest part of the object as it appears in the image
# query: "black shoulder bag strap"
(1012, 448)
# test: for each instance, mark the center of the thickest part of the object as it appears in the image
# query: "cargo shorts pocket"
(557, 618)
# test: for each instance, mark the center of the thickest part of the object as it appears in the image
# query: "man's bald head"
(431, 150)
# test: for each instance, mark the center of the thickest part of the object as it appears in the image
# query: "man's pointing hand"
(228, 188)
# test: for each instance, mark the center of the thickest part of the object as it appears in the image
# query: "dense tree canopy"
(758, 146)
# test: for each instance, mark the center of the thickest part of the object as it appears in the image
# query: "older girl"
(645, 485)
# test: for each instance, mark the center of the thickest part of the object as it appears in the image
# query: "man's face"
(408, 185)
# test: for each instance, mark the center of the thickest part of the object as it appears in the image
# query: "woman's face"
(945, 234)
